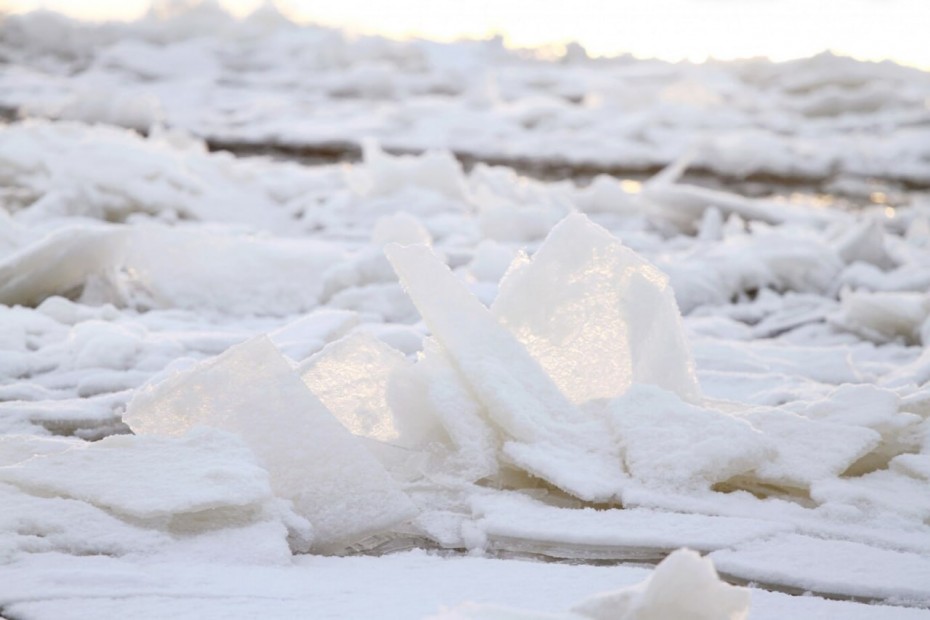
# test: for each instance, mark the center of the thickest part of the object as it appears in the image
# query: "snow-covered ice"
(423, 384)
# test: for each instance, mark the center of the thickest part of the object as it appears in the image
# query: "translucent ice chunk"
(205, 470)
(433, 388)
(252, 391)
(596, 316)
(351, 377)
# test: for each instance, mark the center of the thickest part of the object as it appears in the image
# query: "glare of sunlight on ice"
(816, 201)
(878, 198)
(630, 186)
(350, 377)
(889, 212)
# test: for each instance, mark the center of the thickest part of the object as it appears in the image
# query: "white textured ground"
(397, 388)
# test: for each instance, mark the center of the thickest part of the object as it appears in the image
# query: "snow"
(437, 382)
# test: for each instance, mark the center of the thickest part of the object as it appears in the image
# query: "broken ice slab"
(251, 390)
(670, 444)
(682, 205)
(142, 495)
(808, 450)
(350, 376)
(34, 523)
(596, 316)
(517, 394)
(59, 263)
(885, 316)
(512, 522)
(830, 568)
(206, 470)
(353, 378)
(300, 339)
(433, 388)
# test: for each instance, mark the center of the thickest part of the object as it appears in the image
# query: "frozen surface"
(212, 363)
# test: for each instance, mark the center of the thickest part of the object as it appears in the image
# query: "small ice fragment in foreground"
(684, 586)
(597, 316)
(252, 391)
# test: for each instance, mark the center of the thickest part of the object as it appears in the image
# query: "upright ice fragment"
(551, 438)
(597, 316)
(351, 377)
(684, 586)
(312, 460)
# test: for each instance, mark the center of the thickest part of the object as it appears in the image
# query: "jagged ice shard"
(312, 460)
(596, 316)
(547, 435)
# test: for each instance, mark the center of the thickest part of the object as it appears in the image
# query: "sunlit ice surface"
(694, 30)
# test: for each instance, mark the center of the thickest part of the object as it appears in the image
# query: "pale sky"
(668, 29)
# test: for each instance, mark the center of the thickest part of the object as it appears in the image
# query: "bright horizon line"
(355, 18)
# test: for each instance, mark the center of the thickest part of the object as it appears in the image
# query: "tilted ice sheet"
(166, 477)
(311, 459)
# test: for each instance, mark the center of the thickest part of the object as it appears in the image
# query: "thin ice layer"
(434, 388)
(149, 477)
(312, 460)
(551, 438)
(836, 567)
(596, 316)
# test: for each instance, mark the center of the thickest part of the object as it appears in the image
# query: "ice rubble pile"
(265, 80)
(547, 386)
(578, 375)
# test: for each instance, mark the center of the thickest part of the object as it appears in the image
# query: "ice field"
(295, 324)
